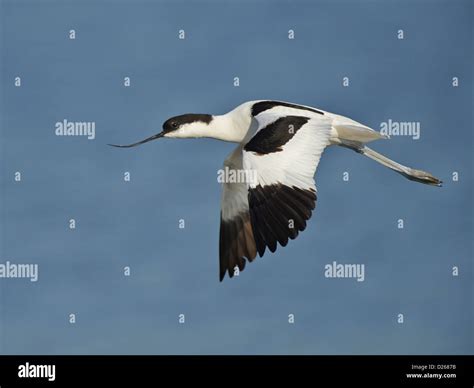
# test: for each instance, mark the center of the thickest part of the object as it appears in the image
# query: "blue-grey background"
(135, 223)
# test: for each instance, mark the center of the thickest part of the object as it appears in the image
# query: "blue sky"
(135, 223)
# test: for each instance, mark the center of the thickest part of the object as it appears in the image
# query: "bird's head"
(189, 125)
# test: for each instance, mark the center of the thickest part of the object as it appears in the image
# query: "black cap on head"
(174, 123)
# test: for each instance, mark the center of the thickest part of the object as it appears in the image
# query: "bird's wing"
(285, 153)
(280, 193)
(236, 239)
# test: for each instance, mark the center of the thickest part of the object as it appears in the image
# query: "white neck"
(232, 127)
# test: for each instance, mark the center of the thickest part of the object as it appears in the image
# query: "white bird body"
(236, 125)
(279, 145)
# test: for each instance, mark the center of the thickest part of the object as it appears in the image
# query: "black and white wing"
(236, 239)
(280, 160)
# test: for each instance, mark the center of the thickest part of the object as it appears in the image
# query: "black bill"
(157, 136)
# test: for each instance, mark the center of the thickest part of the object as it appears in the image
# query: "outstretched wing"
(236, 239)
(285, 153)
(279, 194)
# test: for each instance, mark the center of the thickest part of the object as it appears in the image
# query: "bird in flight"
(279, 145)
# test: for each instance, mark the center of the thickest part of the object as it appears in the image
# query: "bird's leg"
(407, 172)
